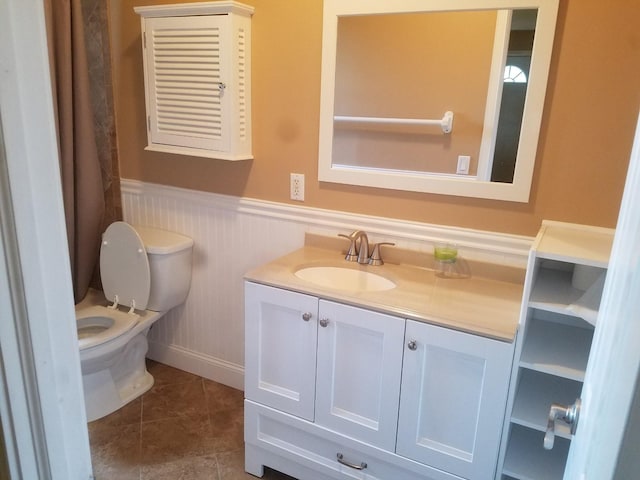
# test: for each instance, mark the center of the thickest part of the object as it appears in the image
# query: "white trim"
(33, 171)
(17, 426)
(514, 248)
(206, 366)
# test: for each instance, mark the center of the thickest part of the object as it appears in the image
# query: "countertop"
(484, 301)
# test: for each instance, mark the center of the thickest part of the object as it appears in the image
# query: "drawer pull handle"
(341, 460)
(306, 316)
(324, 322)
(412, 345)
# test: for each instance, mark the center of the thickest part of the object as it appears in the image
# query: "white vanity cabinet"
(338, 391)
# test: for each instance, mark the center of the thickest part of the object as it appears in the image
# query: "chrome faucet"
(363, 249)
(357, 252)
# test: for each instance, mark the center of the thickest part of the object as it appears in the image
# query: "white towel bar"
(446, 123)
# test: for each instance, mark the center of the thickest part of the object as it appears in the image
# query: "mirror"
(436, 96)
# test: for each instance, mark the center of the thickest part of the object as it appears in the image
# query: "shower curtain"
(80, 168)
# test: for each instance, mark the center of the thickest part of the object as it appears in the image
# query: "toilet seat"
(124, 267)
(106, 324)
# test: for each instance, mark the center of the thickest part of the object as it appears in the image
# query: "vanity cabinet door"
(280, 349)
(454, 391)
(359, 365)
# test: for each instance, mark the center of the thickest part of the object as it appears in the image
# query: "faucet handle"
(376, 258)
(352, 253)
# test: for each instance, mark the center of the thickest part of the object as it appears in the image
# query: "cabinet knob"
(413, 345)
(306, 316)
(324, 322)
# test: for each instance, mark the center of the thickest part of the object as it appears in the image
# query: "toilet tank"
(169, 256)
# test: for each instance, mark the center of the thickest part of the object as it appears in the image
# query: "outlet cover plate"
(297, 186)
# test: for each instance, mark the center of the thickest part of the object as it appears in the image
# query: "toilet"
(145, 272)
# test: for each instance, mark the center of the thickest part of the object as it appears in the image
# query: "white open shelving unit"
(552, 350)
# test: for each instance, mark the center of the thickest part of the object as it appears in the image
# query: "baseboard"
(205, 366)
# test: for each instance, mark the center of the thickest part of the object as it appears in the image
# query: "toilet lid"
(124, 266)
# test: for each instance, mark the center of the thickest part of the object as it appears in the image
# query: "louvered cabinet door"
(188, 81)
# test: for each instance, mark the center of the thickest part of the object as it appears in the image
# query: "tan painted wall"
(588, 124)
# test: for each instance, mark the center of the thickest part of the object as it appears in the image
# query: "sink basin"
(338, 278)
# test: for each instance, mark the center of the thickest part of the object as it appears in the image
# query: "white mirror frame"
(465, 186)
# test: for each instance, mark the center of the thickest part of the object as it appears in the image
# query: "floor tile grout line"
(140, 439)
(217, 454)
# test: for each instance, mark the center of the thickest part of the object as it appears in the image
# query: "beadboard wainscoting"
(232, 235)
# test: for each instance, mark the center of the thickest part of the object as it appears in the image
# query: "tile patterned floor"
(184, 428)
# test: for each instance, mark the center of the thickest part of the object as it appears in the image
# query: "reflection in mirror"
(412, 66)
(514, 91)
(391, 75)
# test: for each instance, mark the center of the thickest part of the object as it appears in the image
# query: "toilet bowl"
(145, 272)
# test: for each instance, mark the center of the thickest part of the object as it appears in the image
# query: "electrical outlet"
(297, 186)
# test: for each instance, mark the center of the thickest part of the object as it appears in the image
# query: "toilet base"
(111, 388)
(114, 372)
(104, 396)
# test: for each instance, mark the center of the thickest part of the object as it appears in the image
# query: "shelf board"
(575, 243)
(536, 392)
(553, 292)
(556, 349)
(526, 459)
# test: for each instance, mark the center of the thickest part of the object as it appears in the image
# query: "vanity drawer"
(316, 448)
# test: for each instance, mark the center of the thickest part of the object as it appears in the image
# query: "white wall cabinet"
(376, 396)
(553, 345)
(197, 73)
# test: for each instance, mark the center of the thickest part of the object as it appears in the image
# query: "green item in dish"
(446, 253)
